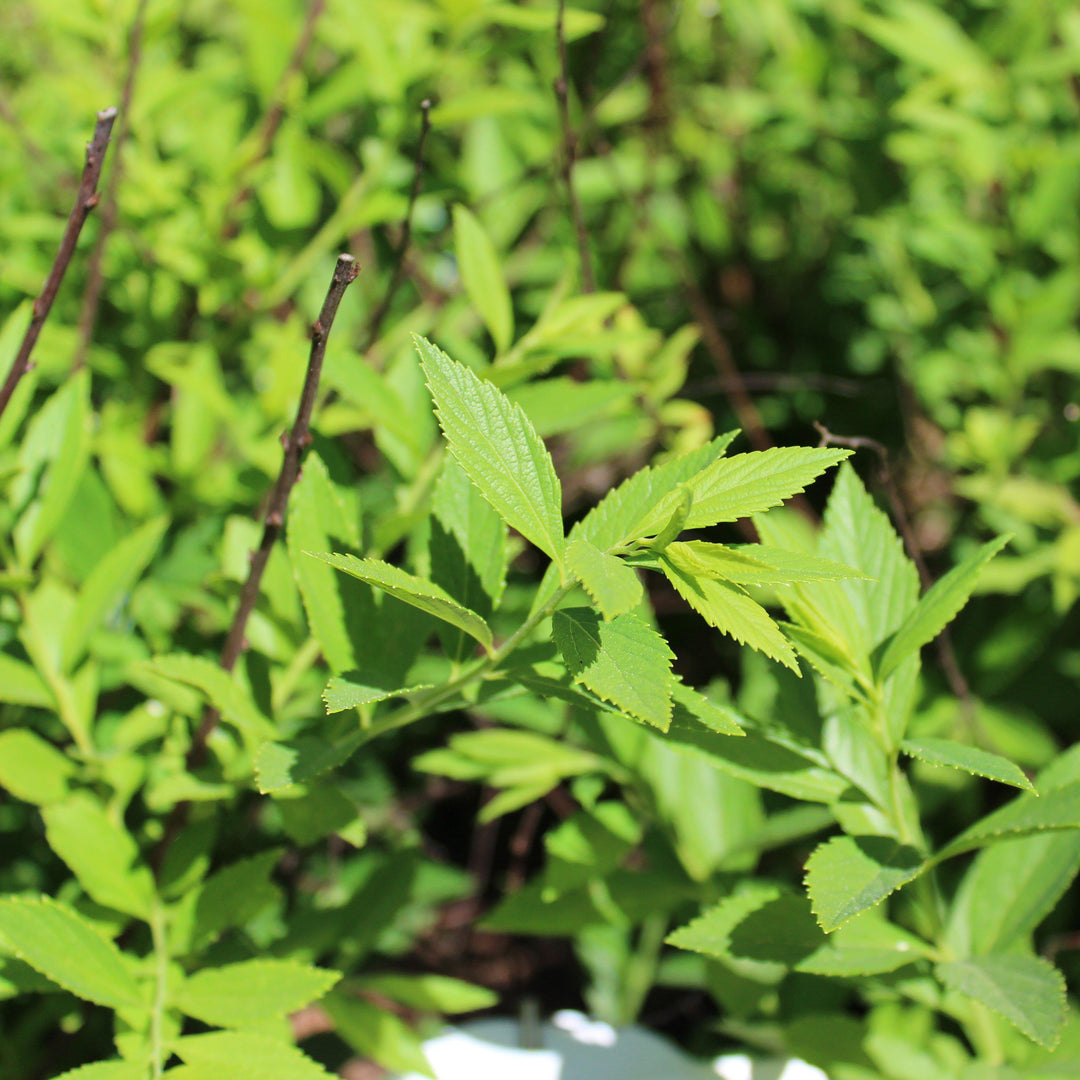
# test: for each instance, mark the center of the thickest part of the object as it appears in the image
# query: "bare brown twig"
(94, 276)
(295, 443)
(946, 654)
(274, 115)
(400, 251)
(569, 154)
(85, 201)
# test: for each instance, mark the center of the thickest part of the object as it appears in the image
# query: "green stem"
(161, 972)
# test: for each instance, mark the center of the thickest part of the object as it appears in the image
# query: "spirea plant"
(199, 962)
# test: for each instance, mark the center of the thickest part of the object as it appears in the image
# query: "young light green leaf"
(101, 854)
(652, 493)
(483, 278)
(220, 688)
(58, 442)
(1026, 814)
(736, 487)
(64, 947)
(378, 1034)
(345, 692)
(849, 874)
(316, 519)
(937, 608)
(495, 444)
(246, 1054)
(612, 585)
(107, 584)
(969, 758)
(32, 769)
(114, 1069)
(623, 661)
(1028, 991)
(726, 606)
(279, 765)
(421, 594)
(565, 404)
(23, 685)
(754, 564)
(243, 995)
(427, 993)
(690, 704)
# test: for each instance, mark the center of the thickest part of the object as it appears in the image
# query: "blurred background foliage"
(858, 214)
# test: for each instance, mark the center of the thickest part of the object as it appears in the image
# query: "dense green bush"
(457, 764)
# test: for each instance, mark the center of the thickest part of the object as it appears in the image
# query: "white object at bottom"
(578, 1048)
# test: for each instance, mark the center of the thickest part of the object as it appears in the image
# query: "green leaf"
(969, 758)
(23, 685)
(1028, 991)
(495, 444)
(11, 335)
(754, 564)
(52, 456)
(624, 514)
(726, 606)
(353, 692)
(428, 993)
(316, 519)
(378, 1034)
(243, 995)
(937, 608)
(565, 404)
(764, 924)
(623, 661)
(1026, 814)
(736, 487)
(246, 1055)
(280, 765)
(110, 580)
(466, 549)
(1009, 889)
(415, 591)
(65, 948)
(114, 1069)
(849, 874)
(482, 276)
(234, 895)
(32, 769)
(690, 705)
(612, 586)
(101, 854)
(220, 688)
(793, 771)
(858, 534)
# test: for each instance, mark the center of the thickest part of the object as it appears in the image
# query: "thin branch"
(295, 443)
(85, 201)
(569, 155)
(274, 115)
(946, 653)
(94, 276)
(400, 251)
